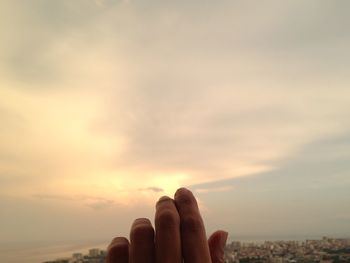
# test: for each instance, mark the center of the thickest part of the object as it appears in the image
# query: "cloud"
(213, 111)
(214, 189)
(152, 189)
(214, 107)
(99, 2)
(321, 165)
(36, 52)
(98, 102)
(342, 216)
(303, 184)
(94, 202)
(99, 205)
(54, 197)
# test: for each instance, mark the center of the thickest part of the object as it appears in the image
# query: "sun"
(170, 182)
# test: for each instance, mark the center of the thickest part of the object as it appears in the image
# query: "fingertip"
(217, 243)
(223, 238)
(119, 240)
(180, 191)
(185, 201)
(141, 220)
(219, 236)
(163, 199)
(118, 250)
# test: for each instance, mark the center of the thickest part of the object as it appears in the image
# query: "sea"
(38, 252)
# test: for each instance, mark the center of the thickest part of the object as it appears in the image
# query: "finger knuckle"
(118, 248)
(140, 232)
(191, 223)
(186, 200)
(167, 219)
(117, 251)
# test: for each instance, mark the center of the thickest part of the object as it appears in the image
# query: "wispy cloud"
(101, 204)
(152, 189)
(94, 202)
(56, 197)
(214, 189)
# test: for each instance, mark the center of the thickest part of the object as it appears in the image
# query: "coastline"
(38, 252)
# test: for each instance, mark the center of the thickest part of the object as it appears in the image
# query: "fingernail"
(181, 190)
(117, 241)
(162, 199)
(223, 239)
(142, 221)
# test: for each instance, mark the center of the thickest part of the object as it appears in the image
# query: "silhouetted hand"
(179, 236)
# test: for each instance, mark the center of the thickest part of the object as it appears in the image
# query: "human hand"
(179, 236)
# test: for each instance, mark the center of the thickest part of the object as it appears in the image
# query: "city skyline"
(326, 250)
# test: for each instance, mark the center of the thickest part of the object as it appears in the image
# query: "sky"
(107, 105)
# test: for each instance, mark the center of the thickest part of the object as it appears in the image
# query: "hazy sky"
(107, 105)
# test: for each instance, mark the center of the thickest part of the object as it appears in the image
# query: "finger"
(118, 251)
(167, 223)
(142, 241)
(217, 243)
(193, 239)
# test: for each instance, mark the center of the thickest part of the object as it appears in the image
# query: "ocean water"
(38, 252)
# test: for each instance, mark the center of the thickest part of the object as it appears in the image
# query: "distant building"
(78, 256)
(94, 252)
